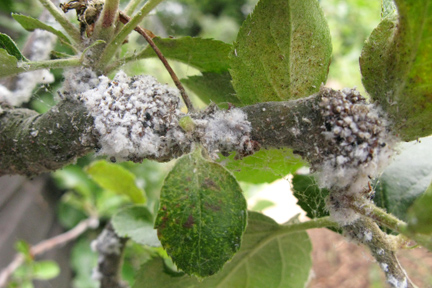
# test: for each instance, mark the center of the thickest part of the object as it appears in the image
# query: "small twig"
(367, 232)
(370, 210)
(125, 19)
(47, 245)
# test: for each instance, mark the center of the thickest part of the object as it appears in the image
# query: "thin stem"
(64, 22)
(48, 64)
(104, 29)
(26, 66)
(367, 232)
(323, 222)
(131, 6)
(371, 211)
(118, 40)
(129, 10)
(109, 13)
(47, 245)
(125, 19)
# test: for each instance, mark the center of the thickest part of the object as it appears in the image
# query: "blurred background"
(69, 195)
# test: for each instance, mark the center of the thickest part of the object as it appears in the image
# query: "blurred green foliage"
(350, 24)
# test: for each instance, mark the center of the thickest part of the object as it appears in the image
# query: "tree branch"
(110, 247)
(370, 210)
(31, 144)
(383, 250)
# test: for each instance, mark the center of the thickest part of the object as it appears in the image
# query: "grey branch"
(110, 248)
(368, 233)
(31, 144)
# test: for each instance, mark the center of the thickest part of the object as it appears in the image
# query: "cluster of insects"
(88, 12)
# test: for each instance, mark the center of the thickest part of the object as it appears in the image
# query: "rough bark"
(110, 248)
(31, 144)
(382, 249)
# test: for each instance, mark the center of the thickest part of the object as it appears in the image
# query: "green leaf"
(264, 165)
(8, 64)
(406, 178)
(6, 6)
(45, 270)
(202, 215)
(212, 87)
(136, 222)
(31, 24)
(11, 48)
(266, 259)
(206, 55)
(24, 248)
(396, 68)
(117, 179)
(282, 52)
(27, 284)
(310, 197)
(388, 8)
(420, 214)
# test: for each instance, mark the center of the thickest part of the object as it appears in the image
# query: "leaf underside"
(136, 222)
(282, 52)
(116, 179)
(8, 64)
(31, 24)
(420, 214)
(406, 178)
(310, 197)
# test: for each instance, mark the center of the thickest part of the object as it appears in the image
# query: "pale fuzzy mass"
(138, 117)
(357, 147)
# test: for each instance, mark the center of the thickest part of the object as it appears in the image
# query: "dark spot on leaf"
(189, 222)
(209, 183)
(212, 207)
(161, 226)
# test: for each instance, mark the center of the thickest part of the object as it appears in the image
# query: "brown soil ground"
(337, 263)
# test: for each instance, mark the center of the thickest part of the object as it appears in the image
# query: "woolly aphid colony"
(357, 146)
(137, 117)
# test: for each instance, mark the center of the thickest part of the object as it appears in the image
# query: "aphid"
(88, 12)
